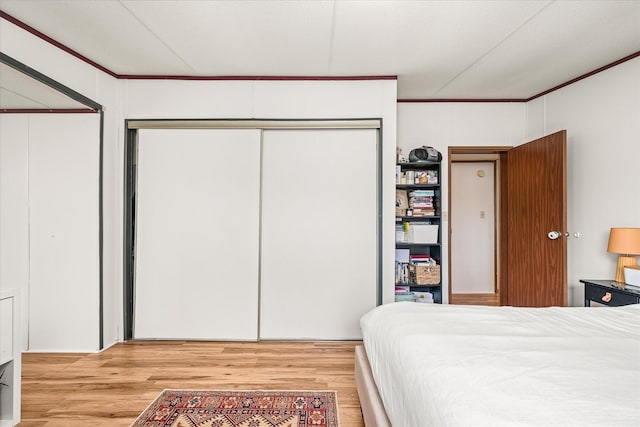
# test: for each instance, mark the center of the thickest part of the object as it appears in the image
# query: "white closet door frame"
(133, 127)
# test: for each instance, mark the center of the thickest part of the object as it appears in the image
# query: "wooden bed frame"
(370, 403)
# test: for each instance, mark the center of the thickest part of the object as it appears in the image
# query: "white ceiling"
(438, 49)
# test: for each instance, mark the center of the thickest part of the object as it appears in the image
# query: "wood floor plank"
(113, 387)
(475, 299)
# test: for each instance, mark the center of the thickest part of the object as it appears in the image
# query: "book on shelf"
(422, 193)
(421, 204)
(416, 258)
(403, 273)
(413, 204)
(423, 212)
(421, 199)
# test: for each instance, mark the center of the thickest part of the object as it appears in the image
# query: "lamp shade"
(624, 241)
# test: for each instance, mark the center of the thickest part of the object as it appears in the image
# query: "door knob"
(553, 235)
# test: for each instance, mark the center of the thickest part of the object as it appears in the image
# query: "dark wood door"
(537, 205)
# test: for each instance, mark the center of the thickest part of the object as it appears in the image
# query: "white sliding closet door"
(197, 234)
(319, 233)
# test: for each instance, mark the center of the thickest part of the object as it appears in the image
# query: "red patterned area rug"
(234, 408)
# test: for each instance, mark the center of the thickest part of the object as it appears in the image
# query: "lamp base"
(624, 261)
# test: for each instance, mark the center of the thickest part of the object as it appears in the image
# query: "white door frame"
(474, 153)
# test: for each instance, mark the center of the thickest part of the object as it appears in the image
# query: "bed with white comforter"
(446, 365)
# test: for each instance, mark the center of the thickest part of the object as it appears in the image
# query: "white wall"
(602, 117)
(473, 231)
(14, 208)
(63, 232)
(441, 125)
(49, 209)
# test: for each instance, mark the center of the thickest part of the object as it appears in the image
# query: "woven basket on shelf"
(427, 274)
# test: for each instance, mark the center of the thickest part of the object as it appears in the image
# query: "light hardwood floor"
(113, 387)
(475, 299)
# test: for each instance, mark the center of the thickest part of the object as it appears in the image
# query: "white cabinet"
(10, 363)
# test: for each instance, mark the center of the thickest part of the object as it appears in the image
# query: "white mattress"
(446, 365)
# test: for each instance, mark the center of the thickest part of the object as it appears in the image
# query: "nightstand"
(608, 292)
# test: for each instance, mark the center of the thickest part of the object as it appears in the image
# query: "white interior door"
(473, 228)
(197, 234)
(319, 233)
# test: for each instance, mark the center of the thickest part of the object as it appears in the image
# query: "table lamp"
(626, 243)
